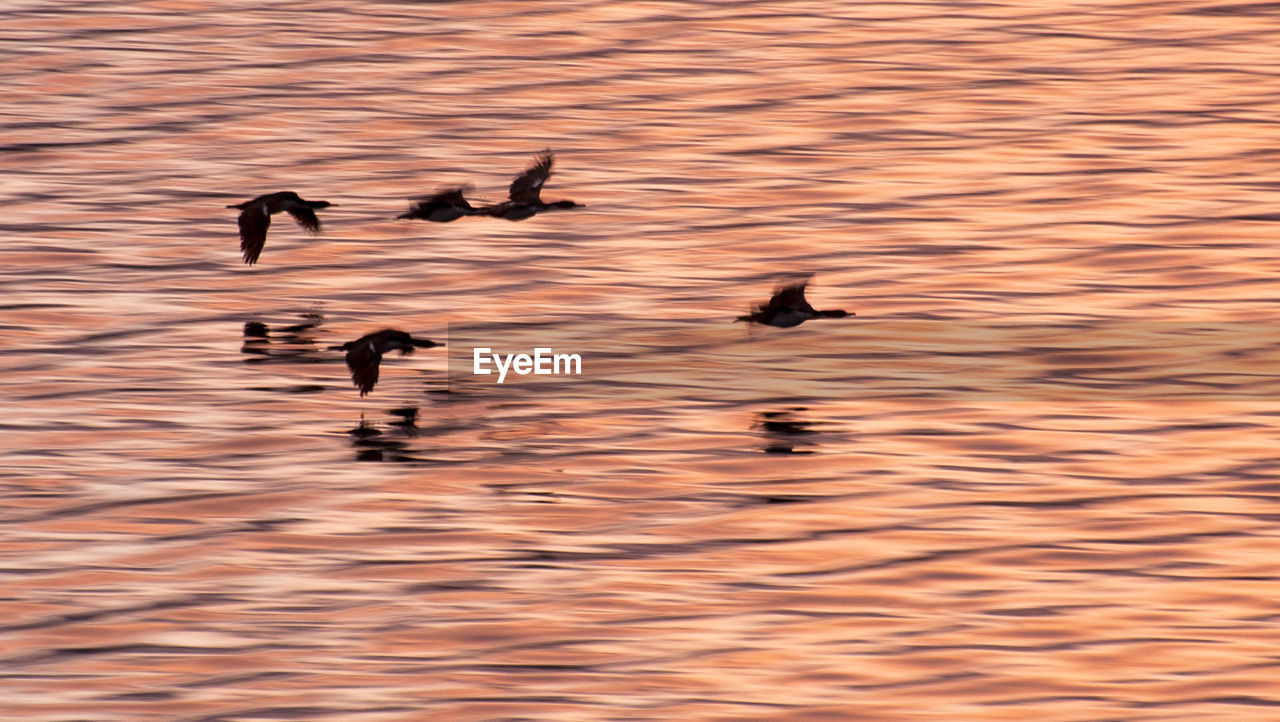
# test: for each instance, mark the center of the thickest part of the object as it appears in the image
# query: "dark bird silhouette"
(447, 205)
(788, 308)
(365, 354)
(524, 196)
(255, 218)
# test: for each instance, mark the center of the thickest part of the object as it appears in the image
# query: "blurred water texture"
(1035, 476)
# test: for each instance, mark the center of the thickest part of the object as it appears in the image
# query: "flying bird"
(447, 205)
(255, 218)
(788, 308)
(365, 354)
(524, 196)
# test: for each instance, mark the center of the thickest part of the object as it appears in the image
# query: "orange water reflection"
(1034, 477)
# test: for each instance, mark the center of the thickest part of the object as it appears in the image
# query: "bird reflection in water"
(263, 344)
(408, 423)
(371, 444)
(784, 431)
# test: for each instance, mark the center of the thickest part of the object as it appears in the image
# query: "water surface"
(1034, 477)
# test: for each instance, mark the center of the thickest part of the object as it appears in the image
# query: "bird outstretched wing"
(791, 296)
(445, 205)
(527, 186)
(452, 197)
(254, 222)
(305, 217)
(363, 361)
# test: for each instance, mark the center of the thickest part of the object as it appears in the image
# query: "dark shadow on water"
(408, 420)
(373, 444)
(785, 429)
(293, 344)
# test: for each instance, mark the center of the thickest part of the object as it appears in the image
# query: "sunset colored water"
(1035, 477)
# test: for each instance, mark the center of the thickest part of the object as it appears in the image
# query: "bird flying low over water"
(788, 308)
(255, 218)
(447, 205)
(524, 195)
(365, 354)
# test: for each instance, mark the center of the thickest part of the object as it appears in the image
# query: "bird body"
(447, 205)
(788, 307)
(524, 194)
(255, 218)
(365, 354)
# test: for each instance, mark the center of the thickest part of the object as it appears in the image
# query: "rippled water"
(1034, 477)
